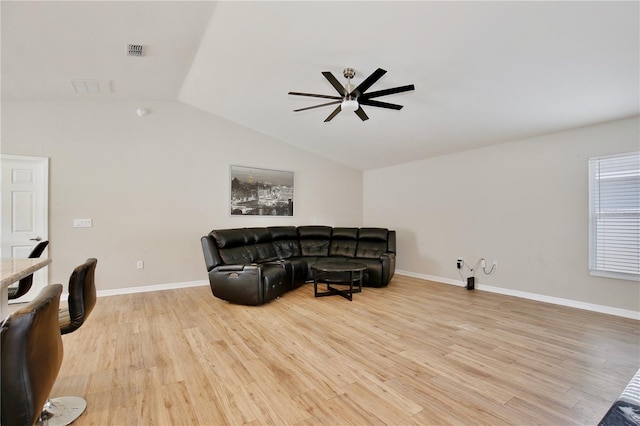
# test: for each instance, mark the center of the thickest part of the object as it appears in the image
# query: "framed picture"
(261, 192)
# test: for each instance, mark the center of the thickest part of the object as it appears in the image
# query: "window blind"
(614, 212)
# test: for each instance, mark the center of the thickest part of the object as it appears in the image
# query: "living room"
(154, 184)
(522, 203)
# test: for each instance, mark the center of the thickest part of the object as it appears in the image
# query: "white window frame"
(614, 216)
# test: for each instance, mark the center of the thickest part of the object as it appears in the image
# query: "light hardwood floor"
(414, 353)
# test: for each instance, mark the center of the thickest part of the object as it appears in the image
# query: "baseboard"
(431, 278)
(531, 296)
(499, 290)
(146, 288)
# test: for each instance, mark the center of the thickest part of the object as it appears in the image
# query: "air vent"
(135, 50)
(91, 86)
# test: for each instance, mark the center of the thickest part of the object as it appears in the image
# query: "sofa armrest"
(210, 251)
(388, 261)
(391, 241)
(241, 284)
(225, 268)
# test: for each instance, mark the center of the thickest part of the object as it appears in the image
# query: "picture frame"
(260, 192)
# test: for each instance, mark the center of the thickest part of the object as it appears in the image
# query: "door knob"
(35, 239)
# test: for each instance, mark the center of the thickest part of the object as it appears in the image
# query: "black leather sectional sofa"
(251, 266)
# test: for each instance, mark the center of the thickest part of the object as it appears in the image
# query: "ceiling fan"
(352, 99)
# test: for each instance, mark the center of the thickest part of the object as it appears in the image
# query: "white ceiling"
(485, 72)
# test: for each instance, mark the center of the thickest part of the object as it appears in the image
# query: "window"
(614, 216)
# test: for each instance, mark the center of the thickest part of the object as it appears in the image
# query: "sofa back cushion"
(344, 242)
(372, 242)
(314, 240)
(285, 241)
(259, 245)
(232, 246)
(246, 245)
(255, 245)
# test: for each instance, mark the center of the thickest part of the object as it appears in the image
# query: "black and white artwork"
(261, 192)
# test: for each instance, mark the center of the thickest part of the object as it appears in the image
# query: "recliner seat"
(252, 266)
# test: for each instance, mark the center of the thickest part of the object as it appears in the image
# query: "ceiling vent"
(135, 50)
(91, 86)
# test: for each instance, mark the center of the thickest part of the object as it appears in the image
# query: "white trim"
(531, 296)
(614, 275)
(145, 288)
(508, 292)
(431, 278)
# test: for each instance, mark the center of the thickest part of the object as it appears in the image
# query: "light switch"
(82, 223)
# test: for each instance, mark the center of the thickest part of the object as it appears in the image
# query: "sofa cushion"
(227, 238)
(232, 245)
(314, 240)
(259, 245)
(372, 242)
(285, 241)
(344, 242)
(236, 256)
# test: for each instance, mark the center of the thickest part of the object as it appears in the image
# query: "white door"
(24, 209)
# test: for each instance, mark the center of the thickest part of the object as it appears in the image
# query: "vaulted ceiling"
(484, 72)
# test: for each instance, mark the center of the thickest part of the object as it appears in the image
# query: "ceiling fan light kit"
(351, 99)
(349, 105)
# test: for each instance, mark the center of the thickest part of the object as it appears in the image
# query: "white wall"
(524, 204)
(154, 185)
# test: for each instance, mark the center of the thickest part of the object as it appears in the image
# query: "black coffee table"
(338, 273)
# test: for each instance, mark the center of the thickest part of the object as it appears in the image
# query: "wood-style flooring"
(413, 353)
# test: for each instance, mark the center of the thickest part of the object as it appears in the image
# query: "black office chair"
(24, 285)
(82, 298)
(31, 357)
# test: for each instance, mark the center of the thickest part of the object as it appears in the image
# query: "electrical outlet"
(483, 263)
(459, 263)
(140, 264)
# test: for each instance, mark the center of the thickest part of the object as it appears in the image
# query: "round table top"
(339, 266)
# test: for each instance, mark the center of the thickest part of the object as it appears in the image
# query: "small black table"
(339, 273)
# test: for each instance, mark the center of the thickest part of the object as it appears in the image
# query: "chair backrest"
(24, 285)
(31, 351)
(38, 249)
(82, 295)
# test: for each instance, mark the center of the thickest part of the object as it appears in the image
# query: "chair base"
(62, 411)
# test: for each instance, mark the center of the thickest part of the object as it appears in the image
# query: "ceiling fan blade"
(379, 104)
(385, 92)
(360, 113)
(334, 82)
(368, 82)
(317, 106)
(333, 114)
(313, 95)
